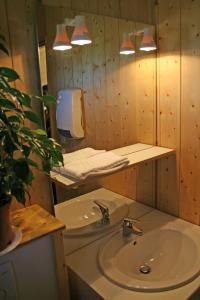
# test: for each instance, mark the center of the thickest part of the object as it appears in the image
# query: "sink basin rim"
(118, 209)
(140, 285)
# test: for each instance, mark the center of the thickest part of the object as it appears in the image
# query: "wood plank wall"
(178, 66)
(119, 94)
(17, 24)
(137, 10)
(178, 27)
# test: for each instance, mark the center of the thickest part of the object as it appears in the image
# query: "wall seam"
(180, 99)
(9, 35)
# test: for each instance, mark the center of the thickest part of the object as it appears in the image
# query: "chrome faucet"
(104, 211)
(129, 227)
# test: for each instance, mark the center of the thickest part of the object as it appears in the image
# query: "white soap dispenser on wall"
(69, 114)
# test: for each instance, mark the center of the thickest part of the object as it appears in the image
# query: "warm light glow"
(127, 46)
(127, 52)
(61, 41)
(148, 43)
(80, 35)
(81, 42)
(62, 47)
(147, 48)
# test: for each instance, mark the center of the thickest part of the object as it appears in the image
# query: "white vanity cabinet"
(35, 269)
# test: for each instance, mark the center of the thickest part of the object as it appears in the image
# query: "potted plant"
(20, 145)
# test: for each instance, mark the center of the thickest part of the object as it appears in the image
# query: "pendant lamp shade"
(148, 43)
(62, 41)
(80, 35)
(127, 46)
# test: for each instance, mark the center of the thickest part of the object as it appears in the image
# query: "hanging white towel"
(101, 163)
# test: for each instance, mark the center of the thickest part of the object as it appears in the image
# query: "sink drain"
(145, 269)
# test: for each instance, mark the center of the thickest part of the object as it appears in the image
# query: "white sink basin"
(171, 257)
(82, 216)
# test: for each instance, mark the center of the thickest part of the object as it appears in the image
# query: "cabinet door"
(8, 290)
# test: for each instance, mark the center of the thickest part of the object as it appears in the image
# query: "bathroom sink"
(83, 216)
(161, 259)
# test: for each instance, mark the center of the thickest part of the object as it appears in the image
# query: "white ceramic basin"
(171, 256)
(82, 216)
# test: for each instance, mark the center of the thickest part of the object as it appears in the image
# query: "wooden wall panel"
(113, 82)
(168, 84)
(66, 72)
(18, 24)
(178, 107)
(145, 119)
(177, 122)
(140, 11)
(137, 10)
(4, 29)
(99, 81)
(190, 112)
(111, 85)
(124, 182)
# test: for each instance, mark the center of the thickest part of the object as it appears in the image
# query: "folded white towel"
(80, 154)
(102, 163)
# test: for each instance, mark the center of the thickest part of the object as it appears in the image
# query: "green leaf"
(3, 117)
(26, 100)
(9, 73)
(18, 192)
(14, 119)
(21, 168)
(3, 48)
(22, 98)
(47, 99)
(26, 150)
(2, 37)
(5, 103)
(32, 117)
(40, 132)
(46, 165)
(29, 178)
(32, 163)
(27, 131)
(8, 144)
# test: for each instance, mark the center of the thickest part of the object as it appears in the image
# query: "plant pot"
(6, 232)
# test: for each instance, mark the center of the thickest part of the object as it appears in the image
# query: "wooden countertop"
(35, 222)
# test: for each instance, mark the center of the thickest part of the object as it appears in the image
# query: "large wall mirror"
(119, 92)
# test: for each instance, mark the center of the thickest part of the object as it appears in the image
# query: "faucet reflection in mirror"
(80, 34)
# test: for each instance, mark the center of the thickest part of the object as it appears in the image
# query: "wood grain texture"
(190, 112)
(18, 24)
(138, 10)
(34, 222)
(178, 107)
(111, 88)
(5, 60)
(168, 102)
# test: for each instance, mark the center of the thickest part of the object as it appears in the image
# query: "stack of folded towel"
(90, 162)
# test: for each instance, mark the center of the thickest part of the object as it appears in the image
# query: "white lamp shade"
(148, 43)
(62, 41)
(127, 46)
(80, 35)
